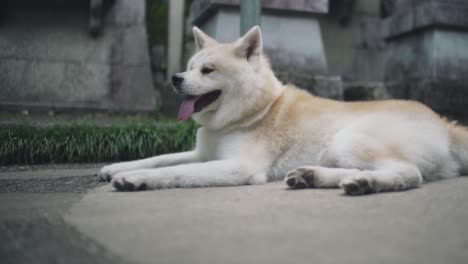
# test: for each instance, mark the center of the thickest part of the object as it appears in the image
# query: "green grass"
(80, 143)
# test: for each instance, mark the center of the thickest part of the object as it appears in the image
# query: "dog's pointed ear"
(250, 45)
(202, 40)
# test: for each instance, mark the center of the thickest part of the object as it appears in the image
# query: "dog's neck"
(257, 115)
(253, 119)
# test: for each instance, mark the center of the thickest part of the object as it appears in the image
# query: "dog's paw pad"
(128, 186)
(106, 174)
(118, 186)
(357, 186)
(300, 178)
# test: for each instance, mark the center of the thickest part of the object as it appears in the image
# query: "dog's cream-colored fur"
(260, 130)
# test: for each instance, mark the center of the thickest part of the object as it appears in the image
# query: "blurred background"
(115, 55)
(105, 62)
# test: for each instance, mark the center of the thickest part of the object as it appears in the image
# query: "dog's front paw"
(128, 184)
(108, 172)
(301, 178)
(358, 186)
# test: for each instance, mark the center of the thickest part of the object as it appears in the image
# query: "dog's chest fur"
(286, 137)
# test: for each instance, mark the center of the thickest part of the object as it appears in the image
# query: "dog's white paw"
(301, 178)
(108, 172)
(358, 185)
(126, 183)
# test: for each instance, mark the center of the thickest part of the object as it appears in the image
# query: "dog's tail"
(459, 145)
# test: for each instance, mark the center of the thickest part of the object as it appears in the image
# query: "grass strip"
(81, 143)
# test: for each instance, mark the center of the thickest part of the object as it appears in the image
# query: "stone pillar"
(351, 36)
(427, 57)
(251, 11)
(291, 36)
(176, 33)
(131, 84)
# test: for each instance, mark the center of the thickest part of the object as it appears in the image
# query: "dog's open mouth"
(193, 104)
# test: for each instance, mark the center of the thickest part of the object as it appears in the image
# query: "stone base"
(427, 59)
(49, 60)
(412, 15)
(320, 85)
(365, 91)
(446, 96)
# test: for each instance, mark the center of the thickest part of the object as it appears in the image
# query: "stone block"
(446, 96)
(365, 91)
(398, 24)
(54, 84)
(320, 85)
(354, 51)
(423, 14)
(336, 35)
(11, 76)
(131, 89)
(427, 58)
(38, 79)
(450, 54)
(427, 54)
(130, 46)
(398, 89)
(49, 60)
(327, 86)
(127, 13)
(29, 80)
(341, 61)
(411, 57)
(369, 65)
(367, 7)
(47, 40)
(84, 84)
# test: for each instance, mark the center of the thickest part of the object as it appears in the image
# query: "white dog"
(255, 129)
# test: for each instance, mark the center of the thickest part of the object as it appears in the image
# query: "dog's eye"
(206, 70)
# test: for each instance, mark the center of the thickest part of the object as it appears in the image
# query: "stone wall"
(352, 41)
(48, 59)
(427, 61)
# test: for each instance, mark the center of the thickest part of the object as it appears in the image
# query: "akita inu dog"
(254, 129)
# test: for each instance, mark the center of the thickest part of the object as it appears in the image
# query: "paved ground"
(33, 202)
(48, 216)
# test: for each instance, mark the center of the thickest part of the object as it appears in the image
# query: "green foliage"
(65, 143)
(157, 21)
(157, 12)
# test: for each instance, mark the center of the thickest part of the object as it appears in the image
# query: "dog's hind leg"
(318, 177)
(389, 175)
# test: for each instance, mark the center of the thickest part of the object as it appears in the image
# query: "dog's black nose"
(177, 80)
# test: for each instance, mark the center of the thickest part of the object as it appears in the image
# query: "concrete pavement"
(248, 224)
(33, 202)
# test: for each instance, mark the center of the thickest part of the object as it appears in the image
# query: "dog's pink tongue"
(186, 108)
